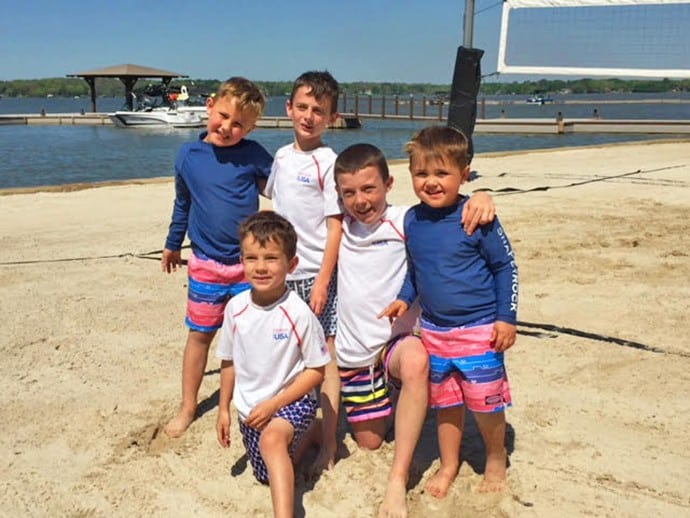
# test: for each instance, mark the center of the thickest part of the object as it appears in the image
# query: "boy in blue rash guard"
(218, 179)
(467, 288)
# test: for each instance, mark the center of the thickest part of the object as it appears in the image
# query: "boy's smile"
(227, 124)
(266, 268)
(437, 183)
(364, 193)
(310, 118)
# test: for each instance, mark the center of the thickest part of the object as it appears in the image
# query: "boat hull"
(153, 118)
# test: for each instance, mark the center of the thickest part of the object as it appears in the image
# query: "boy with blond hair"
(467, 288)
(273, 352)
(303, 191)
(218, 179)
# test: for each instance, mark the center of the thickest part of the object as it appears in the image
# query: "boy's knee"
(272, 438)
(369, 442)
(415, 365)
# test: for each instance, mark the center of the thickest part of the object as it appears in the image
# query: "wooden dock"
(352, 121)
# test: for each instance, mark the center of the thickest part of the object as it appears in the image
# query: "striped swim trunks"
(327, 318)
(364, 391)
(211, 285)
(465, 369)
(300, 414)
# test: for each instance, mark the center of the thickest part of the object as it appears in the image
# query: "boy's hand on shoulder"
(261, 414)
(479, 210)
(503, 336)
(223, 428)
(171, 260)
(395, 310)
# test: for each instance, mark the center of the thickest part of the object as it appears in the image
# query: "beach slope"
(92, 349)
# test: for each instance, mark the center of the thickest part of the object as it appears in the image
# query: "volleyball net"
(612, 38)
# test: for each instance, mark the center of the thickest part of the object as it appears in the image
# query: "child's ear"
(389, 184)
(209, 104)
(292, 264)
(466, 173)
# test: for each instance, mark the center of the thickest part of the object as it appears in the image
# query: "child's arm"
(500, 257)
(305, 382)
(227, 384)
(503, 336)
(171, 261)
(172, 258)
(394, 310)
(319, 292)
(479, 210)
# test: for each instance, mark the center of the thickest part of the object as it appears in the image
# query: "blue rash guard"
(460, 279)
(215, 190)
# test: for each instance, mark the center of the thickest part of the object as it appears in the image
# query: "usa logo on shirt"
(302, 178)
(280, 334)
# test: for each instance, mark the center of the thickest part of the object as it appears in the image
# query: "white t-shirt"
(269, 346)
(303, 191)
(371, 268)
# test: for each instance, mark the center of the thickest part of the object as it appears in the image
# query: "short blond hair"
(440, 143)
(247, 94)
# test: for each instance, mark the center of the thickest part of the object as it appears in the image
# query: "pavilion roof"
(128, 70)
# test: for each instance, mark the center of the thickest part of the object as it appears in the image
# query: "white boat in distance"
(170, 117)
(163, 112)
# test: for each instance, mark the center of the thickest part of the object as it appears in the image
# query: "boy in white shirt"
(302, 188)
(370, 351)
(273, 355)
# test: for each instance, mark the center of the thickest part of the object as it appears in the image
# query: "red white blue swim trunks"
(465, 369)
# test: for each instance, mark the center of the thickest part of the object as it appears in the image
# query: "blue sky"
(268, 40)
(276, 40)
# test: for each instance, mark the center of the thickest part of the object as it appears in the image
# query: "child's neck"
(268, 298)
(308, 144)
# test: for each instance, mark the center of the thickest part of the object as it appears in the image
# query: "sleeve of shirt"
(270, 183)
(226, 339)
(408, 290)
(264, 162)
(183, 200)
(314, 349)
(332, 206)
(500, 257)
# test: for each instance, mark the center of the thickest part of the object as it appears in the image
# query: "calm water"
(53, 155)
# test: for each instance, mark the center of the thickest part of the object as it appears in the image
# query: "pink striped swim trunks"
(465, 369)
(211, 285)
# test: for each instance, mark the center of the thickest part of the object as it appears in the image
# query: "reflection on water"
(51, 155)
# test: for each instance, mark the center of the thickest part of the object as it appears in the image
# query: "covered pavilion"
(129, 75)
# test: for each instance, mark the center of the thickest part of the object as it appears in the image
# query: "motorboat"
(161, 116)
(539, 99)
(161, 106)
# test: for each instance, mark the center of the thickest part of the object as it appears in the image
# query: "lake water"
(56, 155)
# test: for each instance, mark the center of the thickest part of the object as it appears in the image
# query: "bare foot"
(440, 482)
(178, 425)
(394, 503)
(494, 474)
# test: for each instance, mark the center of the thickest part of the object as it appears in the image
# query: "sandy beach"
(94, 333)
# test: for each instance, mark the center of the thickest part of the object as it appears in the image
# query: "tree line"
(107, 87)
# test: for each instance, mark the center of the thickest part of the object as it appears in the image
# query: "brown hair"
(358, 156)
(439, 143)
(266, 226)
(321, 84)
(247, 94)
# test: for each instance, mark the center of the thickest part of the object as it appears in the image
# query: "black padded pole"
(467, 76)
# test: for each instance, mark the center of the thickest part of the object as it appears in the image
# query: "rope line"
(595, 336)
(153, 254)
(513, 190)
